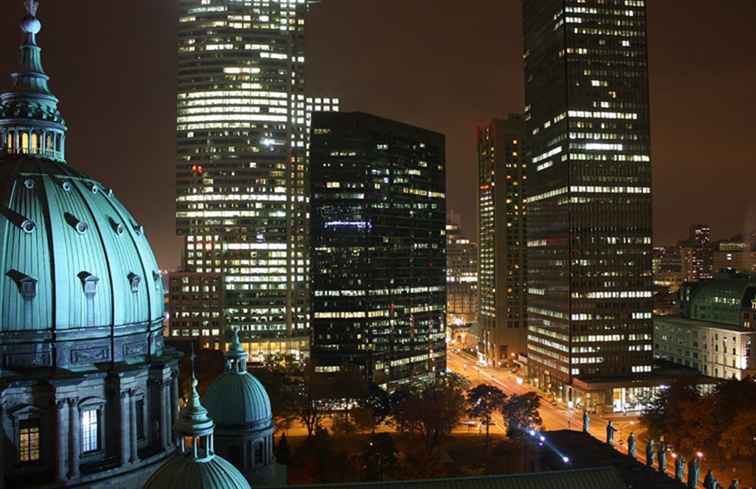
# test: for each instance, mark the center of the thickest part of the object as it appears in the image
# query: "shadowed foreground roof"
(600, 478)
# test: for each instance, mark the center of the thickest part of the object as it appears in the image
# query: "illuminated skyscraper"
(589, 198)
(378, 248)
(501, 216)
(697, 254)
(241, 169)
(461, 278)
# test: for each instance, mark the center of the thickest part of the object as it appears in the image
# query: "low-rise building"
(713, 332)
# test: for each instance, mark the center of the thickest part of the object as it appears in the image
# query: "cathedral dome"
(183, 472)
(76, 270)
(236, 399)
(196, 465)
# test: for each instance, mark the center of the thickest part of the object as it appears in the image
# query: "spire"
(31, 76)
(30, 122)
(194, 423)
(236, 356)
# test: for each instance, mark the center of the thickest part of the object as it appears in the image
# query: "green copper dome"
(79, 283)
(195, 465)
(183, 472)
(72, 256)
(236, 399)
(721, 299)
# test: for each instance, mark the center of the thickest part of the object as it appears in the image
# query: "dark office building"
(501, 233)
(378, 247)
(589, 199)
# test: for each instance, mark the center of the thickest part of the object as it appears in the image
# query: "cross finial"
(31, 7)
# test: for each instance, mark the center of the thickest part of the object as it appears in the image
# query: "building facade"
(716, 328)
(590, 282)
(241, 165)
(696, 254)
(88, 392)
(378, 248)
(461, 279)
(668, 268)
(733, 255)
(502, 265)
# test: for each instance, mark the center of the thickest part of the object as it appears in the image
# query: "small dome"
(236, 400)
(183, 472)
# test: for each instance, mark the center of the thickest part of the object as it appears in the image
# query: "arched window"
(35, 143)
(49, 142)
(24, 142)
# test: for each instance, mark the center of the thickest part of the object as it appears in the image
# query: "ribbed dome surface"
(183, 472)
(238, 400)
(71, 255)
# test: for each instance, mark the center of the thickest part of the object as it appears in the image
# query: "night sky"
(442, 64)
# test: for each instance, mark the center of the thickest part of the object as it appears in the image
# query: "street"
(555, 416)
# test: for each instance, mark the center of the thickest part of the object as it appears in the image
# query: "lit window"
(28, 441)
(90, 436)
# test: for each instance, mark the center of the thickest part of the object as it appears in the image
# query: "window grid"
(90, 439)
(28, 443)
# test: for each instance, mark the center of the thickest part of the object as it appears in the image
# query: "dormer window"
(89, 283)
(158, 281)
(117, 226)
(28, 226)
(80, 226)
(134, 281)
(27, 286)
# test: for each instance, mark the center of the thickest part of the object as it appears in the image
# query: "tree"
(343, 425)
(379, 457)
(521, 414)
(376, 404)
(682, 416)
(739, 440)
(431, 411)
(363, 419)
(482, 402)
(307, 401)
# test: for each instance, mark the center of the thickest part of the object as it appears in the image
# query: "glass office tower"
(378, 248)
(241, 167)
(501, 233)
(589, 199)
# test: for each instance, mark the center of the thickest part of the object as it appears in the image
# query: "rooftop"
(699, 324)
(594, 478)
(586, 451)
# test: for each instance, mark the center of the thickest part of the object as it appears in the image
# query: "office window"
(28, 441)
(90, 435)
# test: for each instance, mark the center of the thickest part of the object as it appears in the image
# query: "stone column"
(125, 428)
(133, 431)
(2, 446)
(174, 403)
(161, 385)
(74, 438)
(61, 441)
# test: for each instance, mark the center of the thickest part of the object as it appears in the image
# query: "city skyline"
(687, 62)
